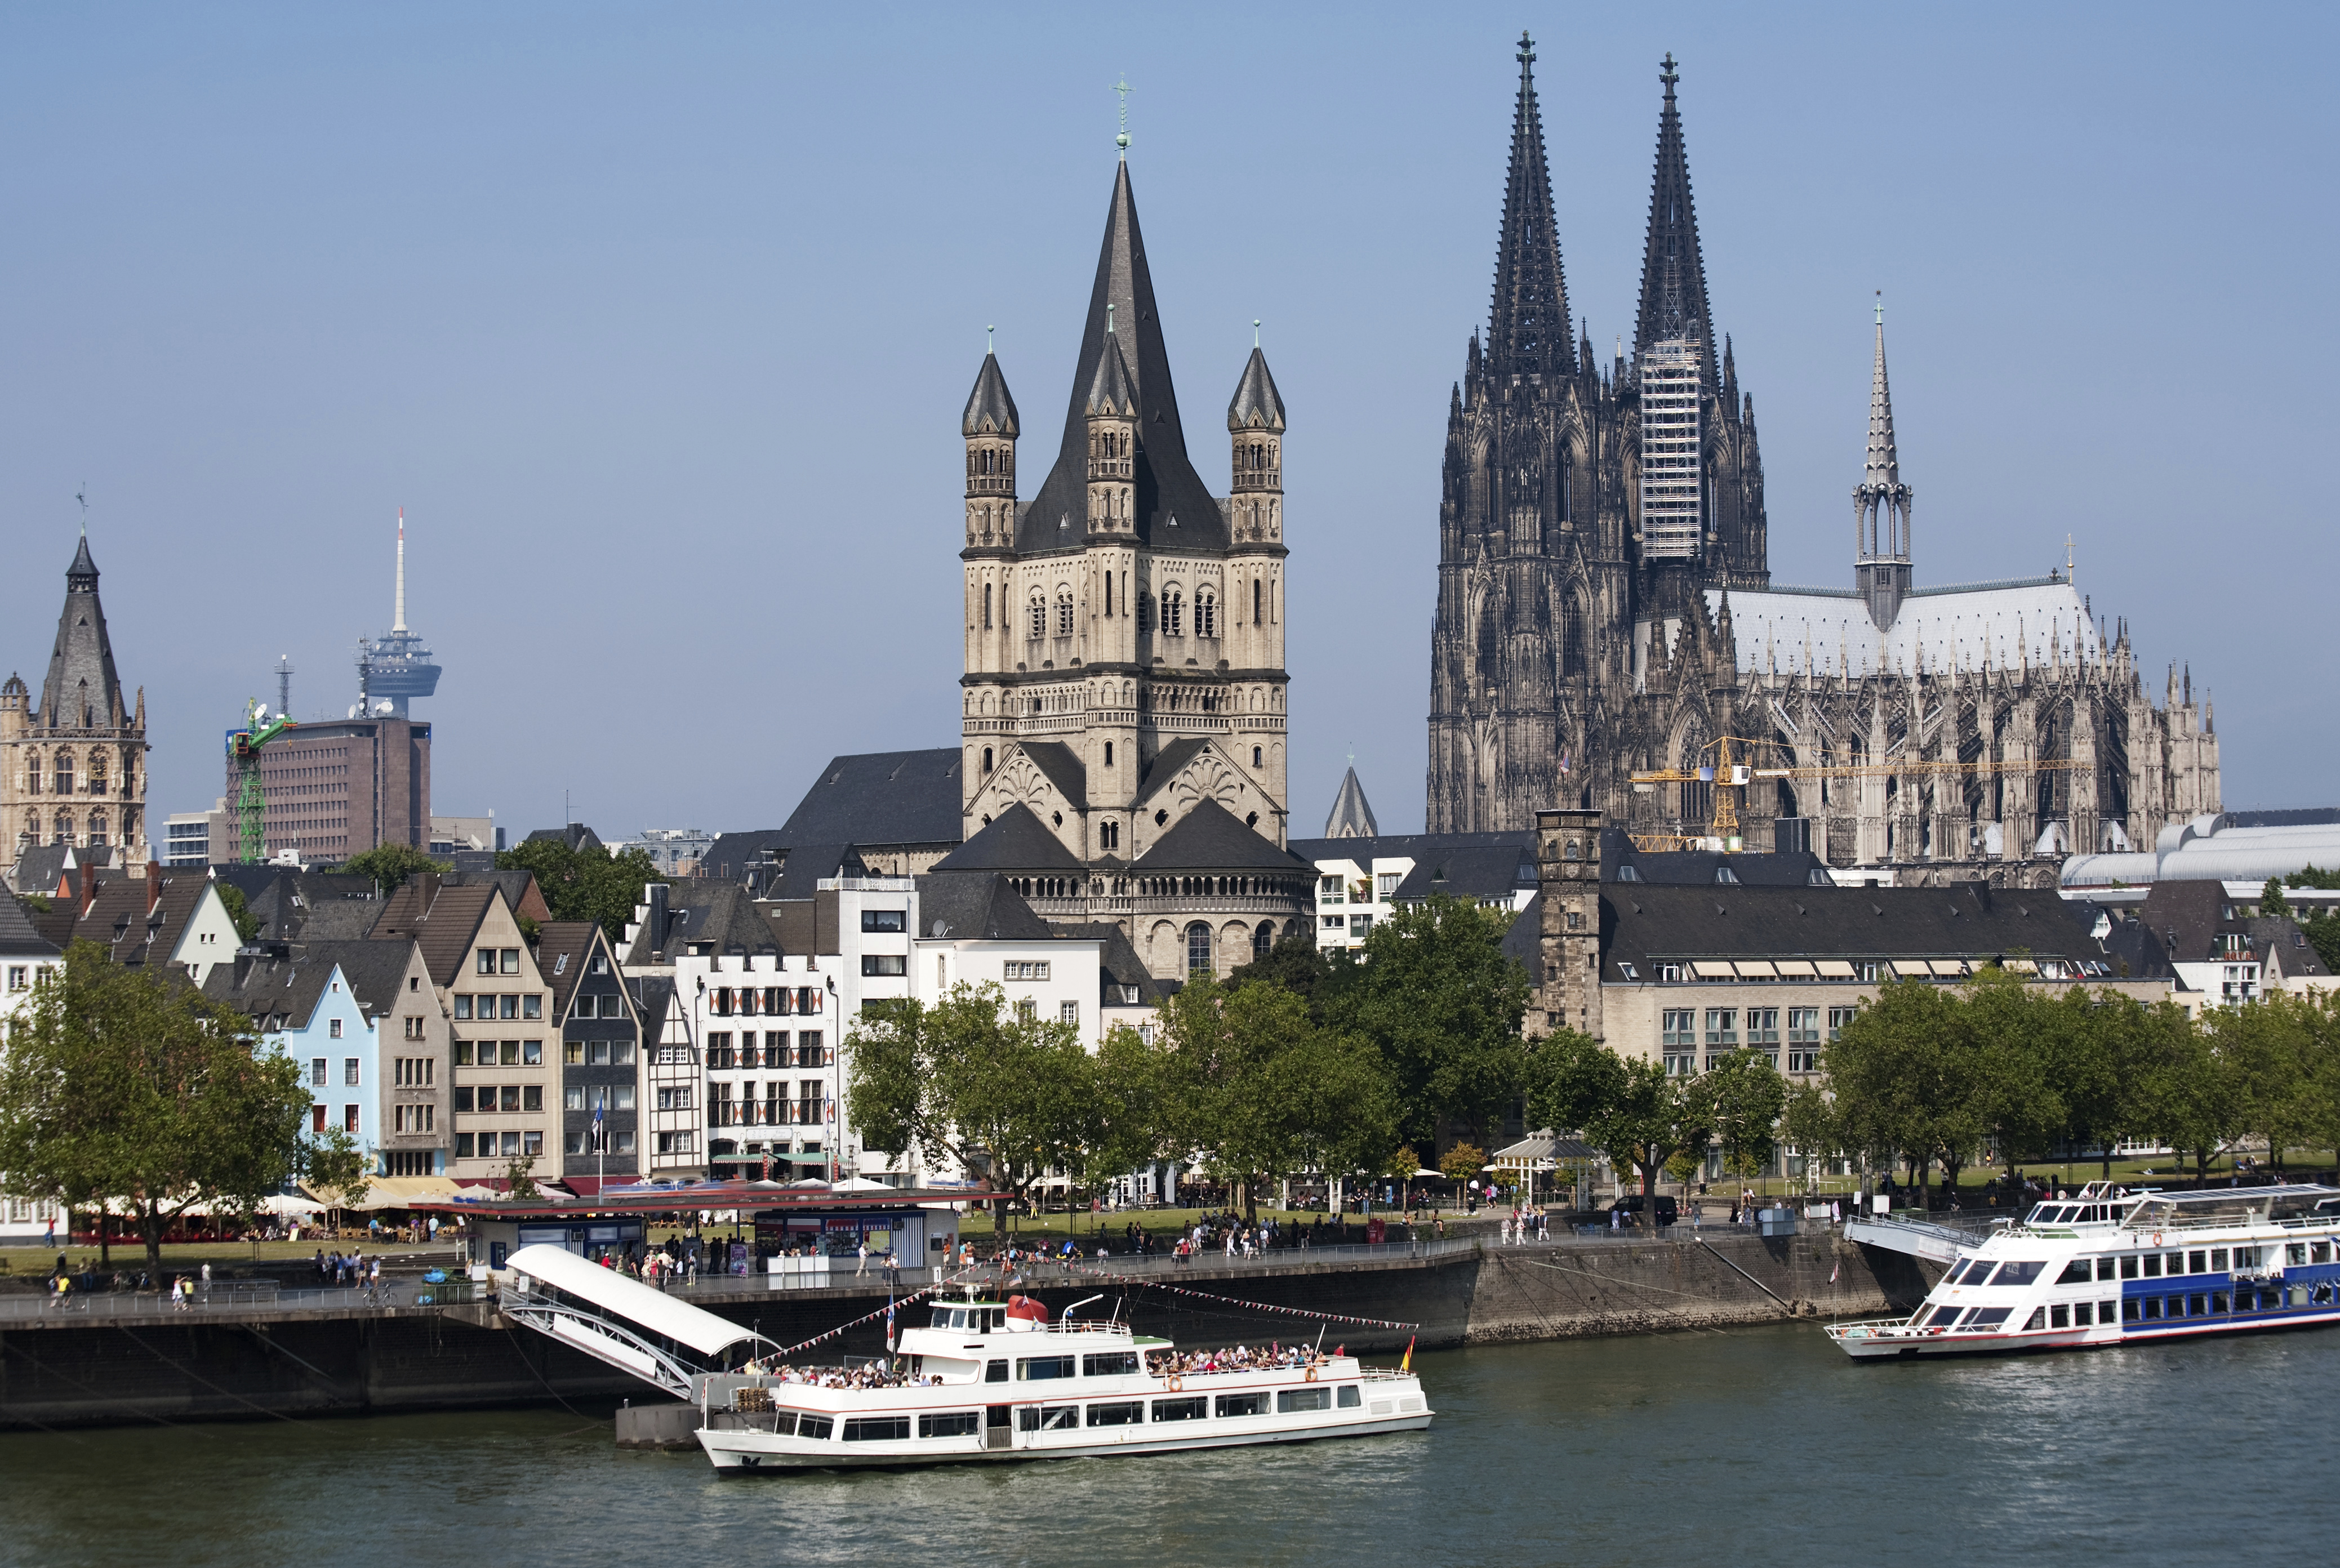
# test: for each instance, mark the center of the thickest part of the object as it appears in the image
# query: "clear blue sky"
(658, 322)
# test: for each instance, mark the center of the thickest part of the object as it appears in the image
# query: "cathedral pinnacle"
(1529, 332)
(1673, 272)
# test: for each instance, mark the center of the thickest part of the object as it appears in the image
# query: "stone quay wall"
(66, 1369)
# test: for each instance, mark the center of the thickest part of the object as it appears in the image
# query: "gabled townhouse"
(158, 918)
(601, 1055)
(505, 1084)
(25, 955)
(362, 1019)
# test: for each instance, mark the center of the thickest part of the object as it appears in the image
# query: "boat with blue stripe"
(2114, 1266)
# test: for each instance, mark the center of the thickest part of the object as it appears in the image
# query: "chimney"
(154, 888)
(658, 919)
(88, 889)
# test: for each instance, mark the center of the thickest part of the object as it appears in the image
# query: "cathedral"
(1123, 685)
(1605, 607)
(73, 770)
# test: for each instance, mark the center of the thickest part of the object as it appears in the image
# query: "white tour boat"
(2115, 1267)
(991, 1379)
(980, 1379)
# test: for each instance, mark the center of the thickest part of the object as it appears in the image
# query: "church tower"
(1123, 690)
(73, 772)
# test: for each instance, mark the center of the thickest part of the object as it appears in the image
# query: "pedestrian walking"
(863, 1268)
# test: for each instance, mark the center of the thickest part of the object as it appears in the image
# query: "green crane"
(251, 802)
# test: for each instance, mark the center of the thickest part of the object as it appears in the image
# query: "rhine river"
(1751, 1446)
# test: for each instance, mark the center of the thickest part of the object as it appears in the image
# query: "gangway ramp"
(630, 1325)
(1938, 1239)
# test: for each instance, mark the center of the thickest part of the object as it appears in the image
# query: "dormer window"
(1725, 876)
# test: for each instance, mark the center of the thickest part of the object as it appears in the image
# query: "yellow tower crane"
(1734, 768)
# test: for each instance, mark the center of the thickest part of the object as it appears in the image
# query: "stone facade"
(73, 770)
(1124, 661)
(1935, 733)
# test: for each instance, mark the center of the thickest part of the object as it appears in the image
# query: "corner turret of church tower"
(1112, 417)
(989, 428)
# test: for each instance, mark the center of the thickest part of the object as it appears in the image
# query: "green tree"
(1744, 1096)
(1654, 1118)
(1265, 1091)
(1809, 1123)
(1572, 1080)
(969, 1079)
(1908, 1080)
(2322, 927)
(591, 883)
(2272, 903)
(2193, 1102)
(126, 1088)
(2264, 1047)
(1441, 1002)
(337, 1169)
(2005, 1040)
(1299, 966)
(390, 865)
(247, 924)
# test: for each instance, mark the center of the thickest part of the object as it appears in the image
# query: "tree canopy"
(127, 1090)
(391, 864)
(589, 884)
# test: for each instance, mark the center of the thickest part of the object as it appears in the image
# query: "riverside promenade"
(109, 1359)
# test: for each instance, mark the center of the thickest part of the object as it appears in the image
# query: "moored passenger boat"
(992, 1379)
(2115, 1267)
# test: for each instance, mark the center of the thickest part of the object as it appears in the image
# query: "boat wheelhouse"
(2112, 1266)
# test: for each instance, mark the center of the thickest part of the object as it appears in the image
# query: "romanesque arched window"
(1064, 611)
(1198, 949)
(1263, 939)
(1206, 613)
(1254, 601)
(986, 606)
(1173, 613)
(987, 760)
(1258, 757)
(1039, 615)
(1109, 836)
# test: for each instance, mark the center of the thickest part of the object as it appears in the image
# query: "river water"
(1751, 1446)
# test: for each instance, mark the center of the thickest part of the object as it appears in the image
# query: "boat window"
(2176, 1265)
(877, 1429)
(1193, 1408)
(2038, 1319)
(2219, 1303)
(1986, 1317)
(1035, 1368)
(784, 1422)
(2295, 1253)
(2153, 1265)
(1351, 1396)
(1114, 1363)
(1288, 1400)
(1973, 1265)
(1242, 1404)
(994, 1372)
(2197, 1306)
(1048, 1417)
(2199, 1262)
(2018, 1272)
(1940, 1318)
(2082, 1312)
(818, 1427)
(1120, 1413)
(2079, 1271)
(950, 1424)
(2217, 1260)
(2152, 1306)
(2246, 1257)
(2129, 1308)
(2320, 1252)
(2106, 1267)
(2128, 1266)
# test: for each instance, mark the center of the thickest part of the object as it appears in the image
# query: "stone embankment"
(115, 1366)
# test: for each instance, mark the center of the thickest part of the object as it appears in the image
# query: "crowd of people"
(871, 1374)
(1240, 1358)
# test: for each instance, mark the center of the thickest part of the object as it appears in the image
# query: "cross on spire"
(1122, 141)
(1526, 56)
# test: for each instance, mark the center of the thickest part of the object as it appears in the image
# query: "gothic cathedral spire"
(1530, 328)
(1880, 505)
(1673, 272)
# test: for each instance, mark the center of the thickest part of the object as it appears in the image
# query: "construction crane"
(1733, 769)
(250, 801)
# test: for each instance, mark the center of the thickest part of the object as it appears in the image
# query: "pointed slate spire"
(1884, 471)
(82, 689)
(1173, 505)
(1352, 817)
(990, 409)
(1529, 328)
(1109, 385)
(1673, 272)
(81, 577)
(1881, 505)
(1256, 405)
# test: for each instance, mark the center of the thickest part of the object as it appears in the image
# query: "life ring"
(1174, 1383)
(1312, 1375)
(2157, 1238)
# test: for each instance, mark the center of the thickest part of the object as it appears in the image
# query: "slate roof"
(1493, 872)
(2284, 948)
(719, 917)
(1256, 405)
(1210, 838)
(562, 947)
(1118, 962)
(1393, 846)
(118, 919)
(576, 836)
(1062, 768)
(990, 410)
(38, 867)
(809, 865)
(2188, 919)
(1352, 817)
(1694, 868)
(734, 857)
(289, 903)
(881, 798)
(976, 905)
(19, 937)
(1109, 388)
(1175, 508)
(292, 979)
(525, 898)
(440, 915)
(81, 691)
(1017, 840)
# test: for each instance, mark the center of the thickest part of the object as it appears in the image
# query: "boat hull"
(1888, 1345)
